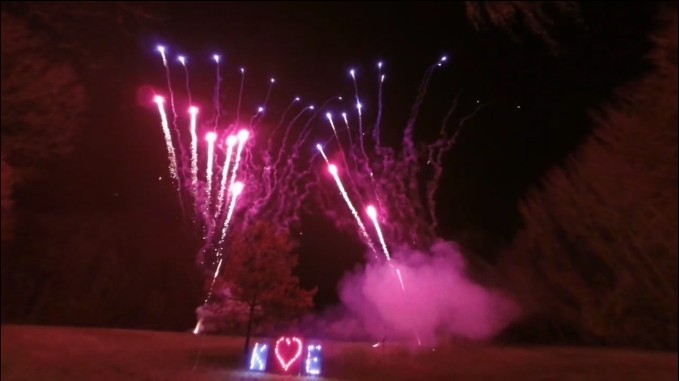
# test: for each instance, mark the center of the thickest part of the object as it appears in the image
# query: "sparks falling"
(277, 165)
(320, 149)
(372, 213)
(236, 190)
(333, 171)
(230, 142)
(210, 138)
(394, 177)
(160, 101)
(193, 111)
(243, 136)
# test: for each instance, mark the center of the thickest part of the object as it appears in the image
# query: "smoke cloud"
(436, 299)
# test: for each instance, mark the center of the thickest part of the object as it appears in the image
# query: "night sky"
(536, 111)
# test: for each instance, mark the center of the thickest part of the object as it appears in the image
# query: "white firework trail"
(240, 94)
(372, 213)
(230, 142)
(182, 60)
(236, 190)
(160, 101)
(333, 171)
(359, 108)
(218, 81)
(210, 137)
(320, 149)
(243, 136)
(193, 111)
(346, 123)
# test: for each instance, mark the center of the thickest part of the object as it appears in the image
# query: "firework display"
(264, 166)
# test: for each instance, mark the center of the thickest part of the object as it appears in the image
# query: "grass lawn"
(73, 354)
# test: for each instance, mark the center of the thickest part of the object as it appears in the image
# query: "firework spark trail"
(372, 213)
(333, 171)
(410, 165)
(268, 90)
(320, 149)
(215, 97)
(210, 137)
(182, 60)
(212, 285)
(281, 183)
(437, 150)
(361, 134)
(398, 184)
(305, 131)
(262, 109)
(288, 173)
(273, 181)
(236, 190)
(161, 49)
(174, 168)
(230, 142)
(334, 130)
(193, 111)
(346, 123)
(266, 155)
(268, 172)
(240, 94)
(351, 146)
(332, 125)
(339, 143)
(280, 122)
(281, 198)
(376, 130)
(359, 108)
(160, 101)
(409, 145)
(403, 287)
(243, 136)
(281, 151)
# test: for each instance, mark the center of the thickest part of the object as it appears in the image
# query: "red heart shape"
(288, 350)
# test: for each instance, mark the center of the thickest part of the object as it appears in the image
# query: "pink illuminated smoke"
(439, 299)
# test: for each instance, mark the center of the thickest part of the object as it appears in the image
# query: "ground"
(58, 353)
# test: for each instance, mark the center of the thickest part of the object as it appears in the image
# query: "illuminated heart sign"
(288, 350)
(288, 355)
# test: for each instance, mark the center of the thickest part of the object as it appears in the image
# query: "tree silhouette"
(42, 102)
(598, 253)
(258, 279)
(48, 52)
(535, 16)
